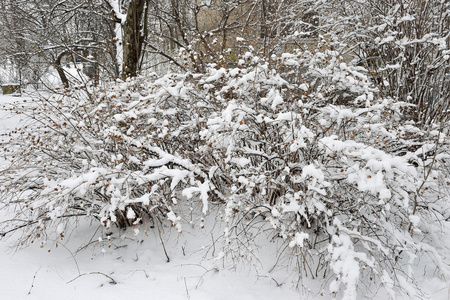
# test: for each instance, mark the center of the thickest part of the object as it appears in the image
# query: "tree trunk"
(60, 70)
(133, 37)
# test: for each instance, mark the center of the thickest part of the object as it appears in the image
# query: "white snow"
(140, 270)
(299, 239)
(136, 261)
(86, 265)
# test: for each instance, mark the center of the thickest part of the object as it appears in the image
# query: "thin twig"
(162, 242)
(73, 257)
(32, 283)
(187, 290)
(2, 234)
(94, 273)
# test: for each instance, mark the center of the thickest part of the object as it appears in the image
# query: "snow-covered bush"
(93, 154)
(301, 150)
(346, 187)
(403, 44)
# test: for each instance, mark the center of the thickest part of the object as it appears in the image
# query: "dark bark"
(60, 70)
(133, 37)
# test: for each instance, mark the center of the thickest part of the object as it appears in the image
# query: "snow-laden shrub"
(92, 154)
(300, 150)
(348, 188)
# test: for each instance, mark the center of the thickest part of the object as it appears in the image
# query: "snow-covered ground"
(136, 267)
(140, 270)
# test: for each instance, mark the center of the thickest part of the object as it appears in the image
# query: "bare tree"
(48, 33)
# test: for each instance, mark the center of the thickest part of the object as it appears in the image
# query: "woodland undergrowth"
(301, 148)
